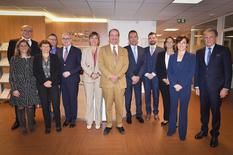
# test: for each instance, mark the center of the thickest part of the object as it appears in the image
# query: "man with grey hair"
(70, 64)
(212, 82)
(26, 33)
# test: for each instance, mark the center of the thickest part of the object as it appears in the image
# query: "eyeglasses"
(66, 38)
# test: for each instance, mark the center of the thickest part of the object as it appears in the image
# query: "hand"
(224, 92)
(197, 90)
(113, 78)
(66, 74)
(166, 81)
(135, 79)
(177, 87)
(48, 84)
(16, 93)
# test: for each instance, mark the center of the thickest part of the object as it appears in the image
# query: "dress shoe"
(148, 117)
(156, 117)
(58, 129)
(165, 122)
(107, 130)
(47, 130)
(129, 120)
(214, 142)
(121, 130)
(97, 126)
(15, 125)
(140, 119)
(201, 134)
(24, 131)
(72, 124)
(66, 123)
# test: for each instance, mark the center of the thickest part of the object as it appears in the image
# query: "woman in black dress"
(46, 71)
(24, 93)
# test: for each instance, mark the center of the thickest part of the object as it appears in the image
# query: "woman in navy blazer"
(181, 69)
(47, 72)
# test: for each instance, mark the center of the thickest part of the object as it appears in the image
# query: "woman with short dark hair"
(181, 69)
(47, 73)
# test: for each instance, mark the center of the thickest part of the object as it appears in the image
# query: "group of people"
(39, 73)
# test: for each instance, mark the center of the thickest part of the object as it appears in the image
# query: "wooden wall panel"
(10, 27)
(76, 28)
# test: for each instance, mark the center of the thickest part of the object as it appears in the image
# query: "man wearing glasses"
(70, 61)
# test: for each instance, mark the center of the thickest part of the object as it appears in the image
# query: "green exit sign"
(181, 20)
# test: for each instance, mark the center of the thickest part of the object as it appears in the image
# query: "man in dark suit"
(134, 76)
(70, 61)
(212, 82)
(26, 32)
(52, 38)
(150, 76)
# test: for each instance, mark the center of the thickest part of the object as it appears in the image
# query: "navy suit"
(69, 85)
(180, 73)
(150, 66)
(134, 69)
(211, 79)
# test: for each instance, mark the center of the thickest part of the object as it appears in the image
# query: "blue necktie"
(135, 54)
(208, 56)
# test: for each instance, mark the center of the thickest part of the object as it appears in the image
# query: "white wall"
(124, 26)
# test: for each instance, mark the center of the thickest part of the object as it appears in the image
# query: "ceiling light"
(170, 29)
(158, 35)
(187, 1)
(52, 17)
(229, 36)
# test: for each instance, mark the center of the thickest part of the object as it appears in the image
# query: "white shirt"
(29, 41)
(166, 59)
(152, 47)
(116, 48)
(64, 50)
(135, 51)
(207, 50)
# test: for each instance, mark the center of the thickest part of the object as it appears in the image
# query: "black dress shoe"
(15, 125)
(140, 119)
(164, 123)
(129, 120)
(201, 134)
(107, 130)
(58, 129)
(47, 130)
(66, 123)
(72, 125)
(214, 142)
(121, 130)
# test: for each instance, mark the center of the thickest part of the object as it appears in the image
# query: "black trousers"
(164, 89)
(210, 101)
(48, 95)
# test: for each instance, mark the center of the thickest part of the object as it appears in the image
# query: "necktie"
(208, 56)
(65, 54)
(135, 54)
(151, 50)
(114, 54)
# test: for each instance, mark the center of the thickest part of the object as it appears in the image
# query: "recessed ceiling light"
(187, 1)
(170, 29)
(229, 36)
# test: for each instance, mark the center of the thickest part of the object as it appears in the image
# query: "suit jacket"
(135, 68)
(181, 72)
(161, 66)
(72, 63)
(148, 66)
(12, 44)
(87, 64)
(218, 73)
(54, 70)
(107, 67)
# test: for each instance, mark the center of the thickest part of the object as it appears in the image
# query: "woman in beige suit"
(91, 79)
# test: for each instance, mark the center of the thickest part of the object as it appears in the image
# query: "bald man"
(26, 33)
